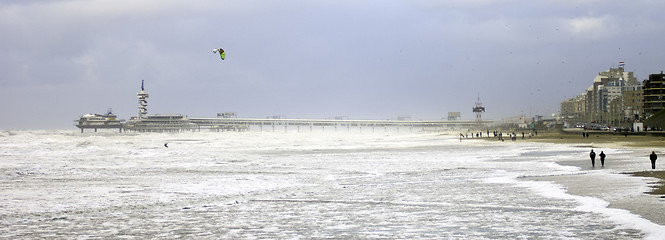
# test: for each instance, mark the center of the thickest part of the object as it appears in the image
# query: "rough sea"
(310, 185)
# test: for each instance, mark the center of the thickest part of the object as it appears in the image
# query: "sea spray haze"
(64, 184)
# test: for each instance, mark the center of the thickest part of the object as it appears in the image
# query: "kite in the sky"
(221, 52)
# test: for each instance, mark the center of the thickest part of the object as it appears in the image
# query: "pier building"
(96, 121)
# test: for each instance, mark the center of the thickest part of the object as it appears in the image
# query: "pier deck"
(161, 123)
(244, 123)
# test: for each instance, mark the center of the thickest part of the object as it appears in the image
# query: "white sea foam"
(625, 218)
(299, 185)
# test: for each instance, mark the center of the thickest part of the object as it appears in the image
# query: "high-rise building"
(633, 102)
(654, 94)
(572, 110)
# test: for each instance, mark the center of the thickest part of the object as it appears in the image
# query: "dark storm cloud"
(316, 59)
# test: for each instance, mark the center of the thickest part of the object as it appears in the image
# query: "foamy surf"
(298, 185)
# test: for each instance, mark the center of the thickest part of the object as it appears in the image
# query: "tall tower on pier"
(143, 103)
(479, 109)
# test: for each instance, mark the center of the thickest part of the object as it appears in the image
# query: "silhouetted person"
(653, 158)
(602, 158)
(166, 145)
(592, 155)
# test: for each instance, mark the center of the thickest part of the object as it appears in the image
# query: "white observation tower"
(143, 103)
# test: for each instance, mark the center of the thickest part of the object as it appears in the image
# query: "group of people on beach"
(498, 135)
(592, 155)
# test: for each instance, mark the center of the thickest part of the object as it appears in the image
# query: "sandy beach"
(649, 204)
(600, 139)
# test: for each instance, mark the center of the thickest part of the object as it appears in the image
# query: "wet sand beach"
(618, 190)
(660, 188)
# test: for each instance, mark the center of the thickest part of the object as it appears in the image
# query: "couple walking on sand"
(592, 155)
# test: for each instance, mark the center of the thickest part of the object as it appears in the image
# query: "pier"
(242, 124)
(179, 123)
(228, 122)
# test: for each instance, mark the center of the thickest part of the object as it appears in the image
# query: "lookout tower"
(143, 103)
(479, 109)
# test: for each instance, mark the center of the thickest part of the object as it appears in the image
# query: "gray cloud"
(362, 59)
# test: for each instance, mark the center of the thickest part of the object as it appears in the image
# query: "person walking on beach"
(592, 155)
(602, 158)
(653, 158)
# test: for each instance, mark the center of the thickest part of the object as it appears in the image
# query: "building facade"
(654, 94)
(633, 104)
(573, 110)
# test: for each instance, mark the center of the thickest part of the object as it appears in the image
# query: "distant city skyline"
(614, 97)
(314, 59)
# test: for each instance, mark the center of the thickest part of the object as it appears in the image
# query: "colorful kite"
(221, 52)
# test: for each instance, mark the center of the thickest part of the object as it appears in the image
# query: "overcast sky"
(314, 59)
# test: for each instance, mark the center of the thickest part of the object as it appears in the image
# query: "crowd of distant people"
(499, 135)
